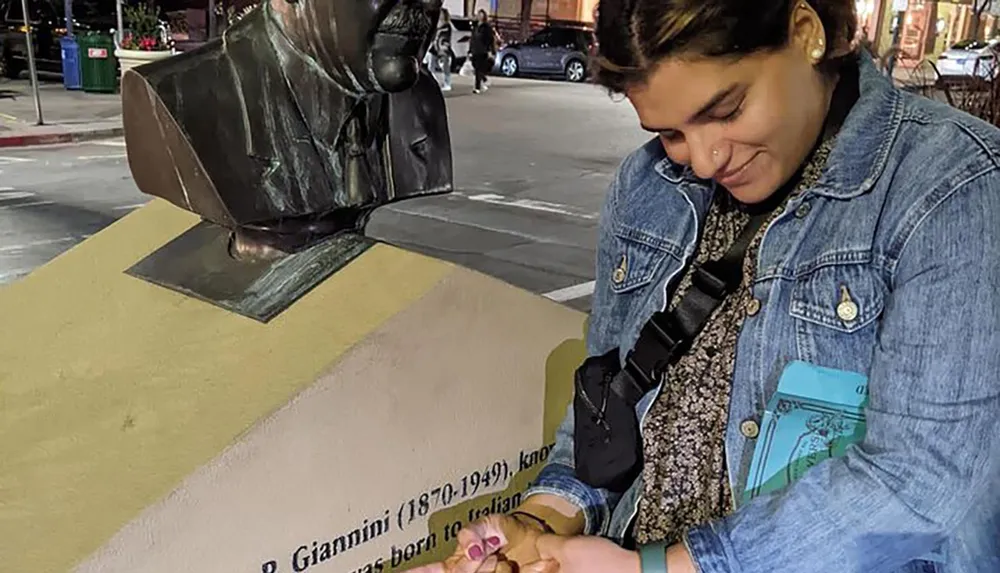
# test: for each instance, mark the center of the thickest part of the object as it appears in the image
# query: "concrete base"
(145, 431)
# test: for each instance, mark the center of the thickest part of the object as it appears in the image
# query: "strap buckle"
(661, 342)
(716, 279)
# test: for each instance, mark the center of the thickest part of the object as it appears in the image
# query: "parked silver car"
(553, 51)
(969, 58)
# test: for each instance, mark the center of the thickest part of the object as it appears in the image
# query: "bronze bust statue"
(303, 118)
(284, 135)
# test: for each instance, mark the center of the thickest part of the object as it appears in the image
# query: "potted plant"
(145, 39)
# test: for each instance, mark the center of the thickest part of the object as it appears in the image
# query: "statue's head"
(365, 45)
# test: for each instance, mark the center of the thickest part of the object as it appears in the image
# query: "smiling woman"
(795, 225)
(743, 110)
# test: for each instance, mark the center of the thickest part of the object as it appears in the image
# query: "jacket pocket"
(638, 260)
(836, 310)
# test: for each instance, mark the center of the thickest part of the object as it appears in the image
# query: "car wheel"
(575, 71)
(508, 66)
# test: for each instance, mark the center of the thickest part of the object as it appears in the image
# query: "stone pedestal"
(146, 431)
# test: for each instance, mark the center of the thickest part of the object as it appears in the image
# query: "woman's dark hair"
(634, 35)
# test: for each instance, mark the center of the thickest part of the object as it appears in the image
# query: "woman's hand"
(582, 554)
(585, 554)
(493, 545)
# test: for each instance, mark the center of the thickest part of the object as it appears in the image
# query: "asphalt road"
(532, 164)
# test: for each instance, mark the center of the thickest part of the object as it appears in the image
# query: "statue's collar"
(291, 57)
(324, 102)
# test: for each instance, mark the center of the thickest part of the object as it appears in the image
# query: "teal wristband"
(653, 558)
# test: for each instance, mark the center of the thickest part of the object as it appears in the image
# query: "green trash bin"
(98, 65)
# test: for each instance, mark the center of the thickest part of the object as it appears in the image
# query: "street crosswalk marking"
(110, 142)
(531, 205)
(11, 276)
(131, 207)
(8, 194)
(99, 157)
(572, 292)
(8, 249)
(8, 160)
(28, 204)
(11, 199)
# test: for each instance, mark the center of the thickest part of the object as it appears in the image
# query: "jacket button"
(749, 428)
(753, 307)
(803, 210)
(618, 276)
(847, 310)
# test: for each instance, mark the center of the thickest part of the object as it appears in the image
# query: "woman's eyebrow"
(716, 99)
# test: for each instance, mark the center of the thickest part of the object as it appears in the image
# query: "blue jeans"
(442, 63)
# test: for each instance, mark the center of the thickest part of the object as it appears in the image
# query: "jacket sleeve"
(558, 476)
(933, 418)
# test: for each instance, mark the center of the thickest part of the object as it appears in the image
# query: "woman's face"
(747, 123)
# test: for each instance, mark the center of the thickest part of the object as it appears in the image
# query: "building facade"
(541, 10)
(928, 28)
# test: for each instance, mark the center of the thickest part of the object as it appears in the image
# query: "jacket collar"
(861, 151)
(860, 154)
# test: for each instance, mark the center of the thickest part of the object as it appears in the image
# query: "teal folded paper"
(814, 415)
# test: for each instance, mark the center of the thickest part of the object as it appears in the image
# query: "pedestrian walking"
(482, 48)
(441, 51)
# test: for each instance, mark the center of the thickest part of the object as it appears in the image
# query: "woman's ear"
(807, 33)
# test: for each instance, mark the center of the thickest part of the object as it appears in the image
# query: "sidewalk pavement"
(67, 115)
(79, 116)
(913, 76)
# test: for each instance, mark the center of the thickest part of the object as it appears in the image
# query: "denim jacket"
(906, 218)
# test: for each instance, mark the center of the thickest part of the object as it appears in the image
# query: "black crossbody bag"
(607, 441)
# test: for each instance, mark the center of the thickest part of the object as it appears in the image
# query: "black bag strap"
(669, 334)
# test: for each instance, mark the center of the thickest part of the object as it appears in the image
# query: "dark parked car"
(48, 21)
(561, 51)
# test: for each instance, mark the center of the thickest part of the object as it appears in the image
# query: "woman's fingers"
(460, 563)
(505, 567)
(550, 546)
(472, 544)
(541, 566)
(432, 568)
(494, 564)
(477, 549)
(482, 538)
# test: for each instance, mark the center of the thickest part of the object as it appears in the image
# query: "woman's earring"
(817, 53)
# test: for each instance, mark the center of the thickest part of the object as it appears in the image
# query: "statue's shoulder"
(215, 63)
(181, 80)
